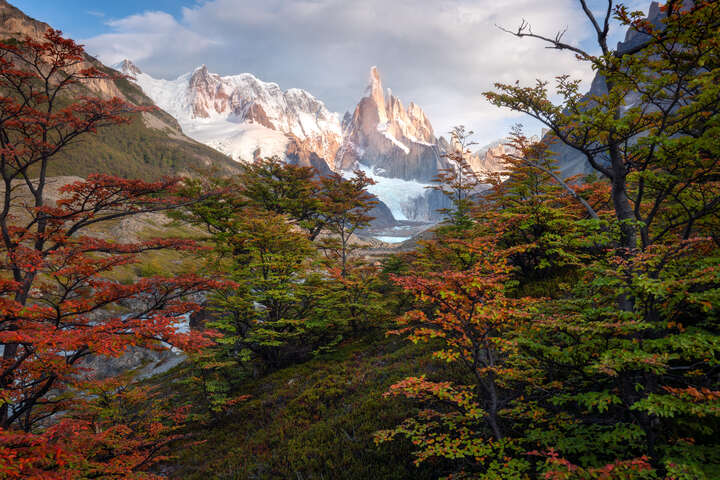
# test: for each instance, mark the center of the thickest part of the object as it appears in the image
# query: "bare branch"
(525, 30)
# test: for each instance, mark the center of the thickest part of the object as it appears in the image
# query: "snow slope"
(239, 114)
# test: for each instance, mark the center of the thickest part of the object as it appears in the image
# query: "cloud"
(95, 13)
(442, 54)
(152, 38)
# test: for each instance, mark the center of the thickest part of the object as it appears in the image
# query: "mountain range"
(246, 118)
(152, 146)
(208, 120)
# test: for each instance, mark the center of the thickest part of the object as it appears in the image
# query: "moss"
(316, 421)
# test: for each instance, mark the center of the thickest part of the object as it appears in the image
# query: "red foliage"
(561, 469)
(55, 296)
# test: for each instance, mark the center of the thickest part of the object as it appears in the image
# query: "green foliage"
(282, 236)
(137, 151)
(614, 374)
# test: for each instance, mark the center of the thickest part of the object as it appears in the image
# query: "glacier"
(398, 194)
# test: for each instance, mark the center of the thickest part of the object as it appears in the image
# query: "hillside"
(152, 146)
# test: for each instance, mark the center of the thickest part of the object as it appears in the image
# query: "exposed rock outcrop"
(573, 162)
(489, 159)
(382, 134)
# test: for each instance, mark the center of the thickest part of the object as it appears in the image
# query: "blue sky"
(441, 54)
(87, 18)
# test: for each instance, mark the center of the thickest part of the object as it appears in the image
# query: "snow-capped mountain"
(382, 134)
(397, 148)
(247, 118)
(243, 116)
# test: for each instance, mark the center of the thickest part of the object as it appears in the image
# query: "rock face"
(246, 118)
(490, 158)
(396, 146)
(573, 162)
(240, 114)
(15, 24)
(383, 135)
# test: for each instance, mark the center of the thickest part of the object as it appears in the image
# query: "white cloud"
(442, 54)
(147, 36)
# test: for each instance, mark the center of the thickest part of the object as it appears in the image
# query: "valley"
(207, 273)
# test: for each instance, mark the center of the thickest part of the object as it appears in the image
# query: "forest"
(549, 328)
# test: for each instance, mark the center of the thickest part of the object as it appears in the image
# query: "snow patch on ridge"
(383, 128)
(223, 125)
(388, 239)
(240, 140)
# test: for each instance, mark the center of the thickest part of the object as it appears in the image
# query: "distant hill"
(152, 146)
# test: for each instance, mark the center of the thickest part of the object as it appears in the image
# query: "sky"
(441, 54)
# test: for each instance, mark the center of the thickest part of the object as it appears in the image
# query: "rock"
(383, 217)
(381, 133)
(573, 162)
(220, 110)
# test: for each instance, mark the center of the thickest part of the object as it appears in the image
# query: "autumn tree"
(553, 225)
(651, 132)
(618, 367)
(474, 324)
(56, 283)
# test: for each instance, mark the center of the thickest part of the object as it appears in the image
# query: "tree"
(459, 183)
(552, 225)
(276, 186)
(474, 325)
(346, 204)
(55, 273)
(652, 135)
(281, 305)
(658, 152)
(616, 374)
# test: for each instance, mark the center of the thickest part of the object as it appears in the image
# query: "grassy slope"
(136, 151)
(147, 148)
(315, 421)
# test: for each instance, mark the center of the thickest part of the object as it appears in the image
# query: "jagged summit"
(374, 91)
(128, 68)
(381, 128)
(239, 114)
(245, 117)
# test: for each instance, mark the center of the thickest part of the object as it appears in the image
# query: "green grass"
(136, 151)
(166, 262)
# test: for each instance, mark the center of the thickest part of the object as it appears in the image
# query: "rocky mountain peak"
(375, 93)
(128, 68)
(239, 114)
(384, 135)
(491, 158)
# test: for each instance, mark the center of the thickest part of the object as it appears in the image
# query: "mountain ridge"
(239, 114)
(151, 146)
